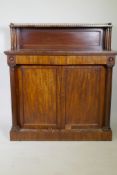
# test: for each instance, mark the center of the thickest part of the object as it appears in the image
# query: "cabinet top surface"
(60, 53)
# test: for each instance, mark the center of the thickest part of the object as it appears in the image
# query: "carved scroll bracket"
(11, 61)
(110, 61)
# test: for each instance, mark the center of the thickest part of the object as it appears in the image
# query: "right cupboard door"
(84, 96)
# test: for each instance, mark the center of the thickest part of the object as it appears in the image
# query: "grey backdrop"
(50, 11)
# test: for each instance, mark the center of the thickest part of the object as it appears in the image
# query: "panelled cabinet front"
(60, 99)
(69, 97)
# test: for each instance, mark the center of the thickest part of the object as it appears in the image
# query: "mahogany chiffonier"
(61, 78)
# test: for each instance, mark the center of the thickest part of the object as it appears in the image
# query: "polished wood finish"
(61, 36)
(86, 84)
(61, 78)
(61, 60)
(38, 110)
(60, 39)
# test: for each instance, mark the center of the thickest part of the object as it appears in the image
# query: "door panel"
(59, 97)
(39, 96)
(84, 96)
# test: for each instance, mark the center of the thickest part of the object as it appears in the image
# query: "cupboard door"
(39, 98)
(84, 96)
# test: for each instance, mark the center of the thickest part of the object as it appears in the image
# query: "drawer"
(60, 60)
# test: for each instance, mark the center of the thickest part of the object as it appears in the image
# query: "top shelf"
(59, 37)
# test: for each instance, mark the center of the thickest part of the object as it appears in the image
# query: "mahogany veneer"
(61, 77)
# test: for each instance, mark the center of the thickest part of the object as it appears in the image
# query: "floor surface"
(57, 158)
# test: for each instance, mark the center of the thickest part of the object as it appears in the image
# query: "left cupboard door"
(38, 96)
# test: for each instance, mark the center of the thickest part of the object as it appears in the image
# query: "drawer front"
(60, 60)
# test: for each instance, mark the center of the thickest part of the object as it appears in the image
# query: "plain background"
(54, 158)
